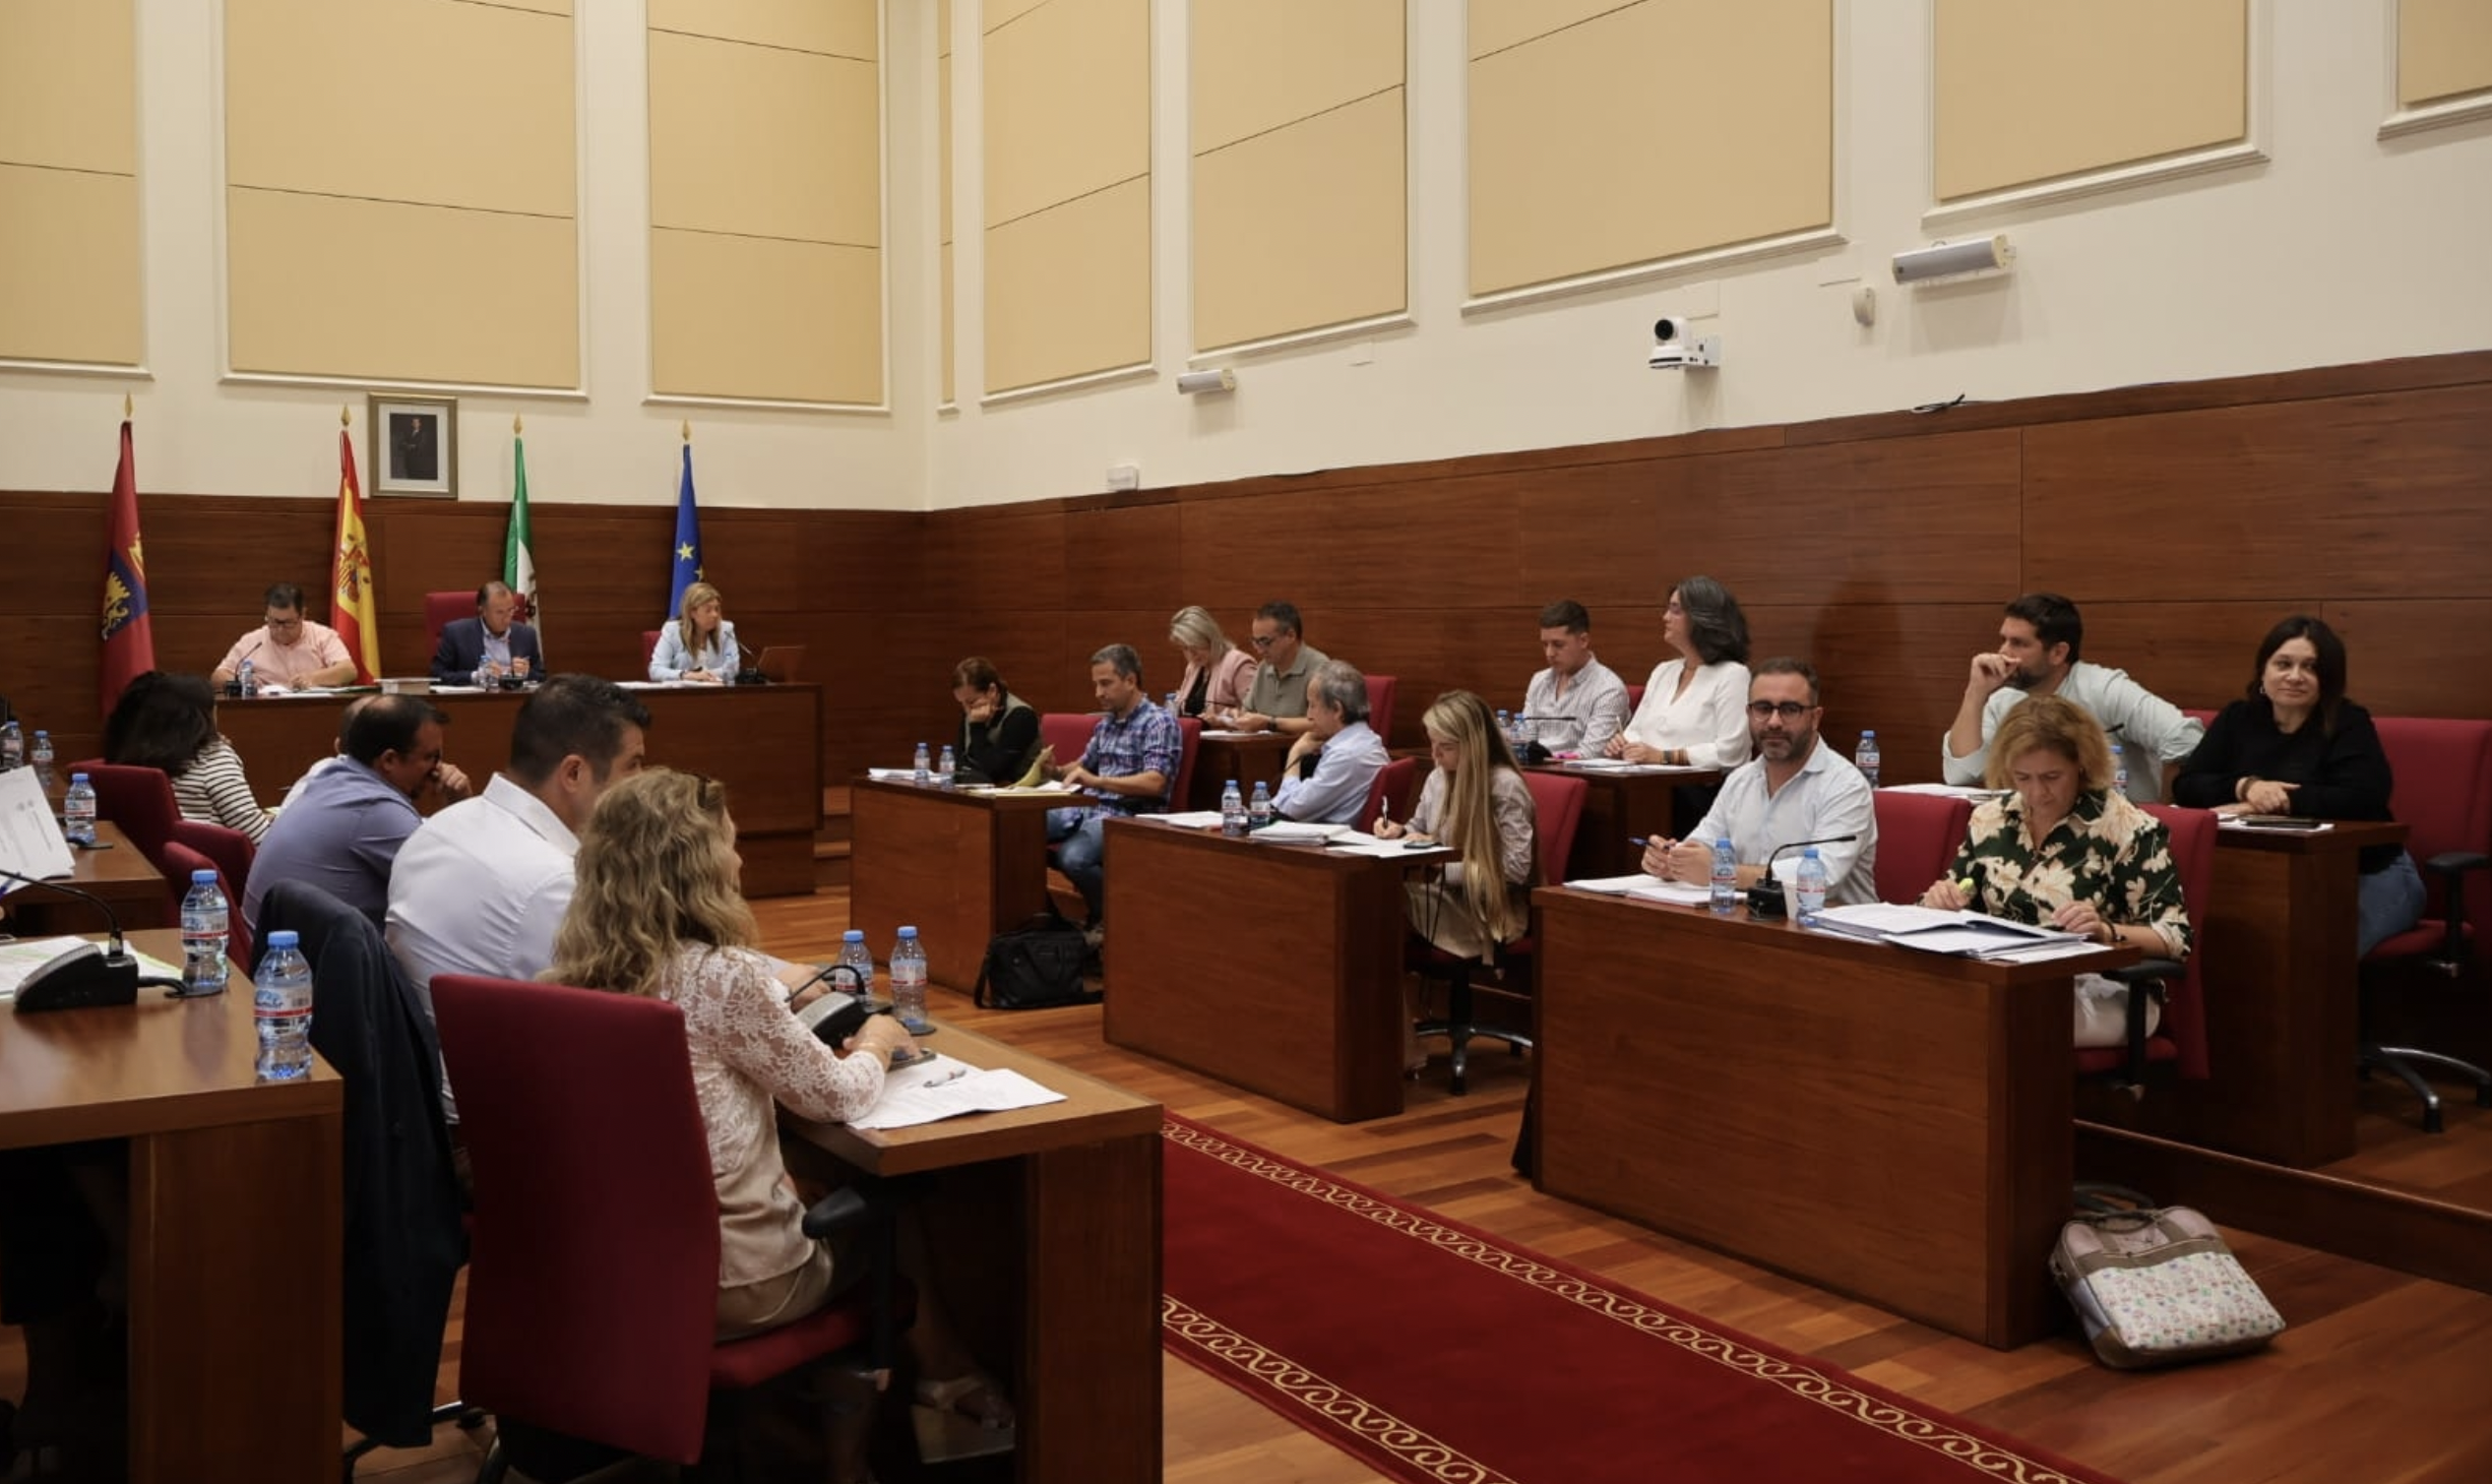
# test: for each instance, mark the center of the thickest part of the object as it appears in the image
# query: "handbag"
(1035, 965)
(2156, 1287)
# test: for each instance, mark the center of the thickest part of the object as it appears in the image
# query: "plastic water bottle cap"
(285, 938)
(202, 878)
(78, 777)
(854, 935)
(908, 932)
(1810, 854)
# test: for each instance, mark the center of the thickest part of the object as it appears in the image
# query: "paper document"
(941, 1088)
(1620, 885)
(31, 839)
(1621, 765)
(1214, 733)
(1948, 790)
(1003, 791)
(1381, 848)
(1292, 832)
(1685, 893)
(1970, 935)
(1197, 819)
(2278, 824)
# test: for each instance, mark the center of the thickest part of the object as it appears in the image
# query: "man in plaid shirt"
(1129, 768)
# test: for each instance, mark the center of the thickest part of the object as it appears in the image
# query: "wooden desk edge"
(2343, 835)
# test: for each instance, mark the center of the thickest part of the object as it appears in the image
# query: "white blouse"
(1710, 720)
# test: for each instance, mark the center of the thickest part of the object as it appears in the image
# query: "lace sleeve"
(730, 1000)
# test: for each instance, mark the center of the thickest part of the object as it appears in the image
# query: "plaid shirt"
(1144, 740)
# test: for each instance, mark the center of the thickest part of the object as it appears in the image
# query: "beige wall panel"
(1068, 103)
(1068, 290)
(2033, 90)
(995, 14)
(943, 140)
(326, 286)
(1573, 170)
(69, 267)
(943, 28)
(744, 317)
(2444, 47)
(1302, 226)
(948, 331)
(69, 84)
(832, 28)
(412, 100)
(1258, 64)
(542, 7)
(1496, 25)
(764, 142)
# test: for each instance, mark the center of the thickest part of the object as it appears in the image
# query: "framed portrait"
(415, 446)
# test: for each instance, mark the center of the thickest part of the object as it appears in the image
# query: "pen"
(953, 1075)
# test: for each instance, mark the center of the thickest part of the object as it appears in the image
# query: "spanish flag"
(129, 637)
(351, 581)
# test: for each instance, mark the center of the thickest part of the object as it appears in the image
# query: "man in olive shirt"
(1277, 701)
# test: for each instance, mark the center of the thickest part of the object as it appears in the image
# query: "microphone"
(1765, 899)
(86, 976)
(234, 687)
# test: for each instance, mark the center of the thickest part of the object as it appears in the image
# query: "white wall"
(199, 435)
(2340, 248)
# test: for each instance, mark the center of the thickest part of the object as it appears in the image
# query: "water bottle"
(1232, 811)
(43, 760)
(204, 926)
(947, 768)
(281, 1009)
(853, 972)
(78, 811)
(1867, 757)
(244, 681)
(922, 756)
(12, 747)
(908, 983)
(1174, 713)
(1811, 885)
(1726, 898)
(2119, 770)
(1259, 808)
(1506, 726)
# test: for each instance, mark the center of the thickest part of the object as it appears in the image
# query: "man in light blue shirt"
(343, 830)
(1335, 762)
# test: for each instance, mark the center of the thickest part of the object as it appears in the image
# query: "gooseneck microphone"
(1765, 899)
(85, 976)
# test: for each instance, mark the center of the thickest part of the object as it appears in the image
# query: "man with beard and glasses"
(2039, 643)
(1793, 789)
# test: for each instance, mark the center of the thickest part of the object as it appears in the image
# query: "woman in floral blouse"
(2063, 850)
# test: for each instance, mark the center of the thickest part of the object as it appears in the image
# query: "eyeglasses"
(1790, 710)
(282, 624)
(1265, 641)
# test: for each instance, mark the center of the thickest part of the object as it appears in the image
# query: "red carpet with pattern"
(1435, 1352)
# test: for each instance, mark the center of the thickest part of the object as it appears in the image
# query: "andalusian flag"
(350, 578)
(519, 550)
(129, 637)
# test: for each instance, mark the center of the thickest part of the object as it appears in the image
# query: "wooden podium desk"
(1619, 805)
(763, 742)
(1250, 760)
(121, 876)
(960, 866)
(1074, 1191)
(1884, 1123)
(2282, 983)
(1303, 1004)
(237, 1223)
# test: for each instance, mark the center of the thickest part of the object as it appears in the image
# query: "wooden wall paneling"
(1431, 649)
(1597, 533)
(2418, 658)
(2194, 655)
(1086, 631)
(1129, 557)
(1012, 558)
(1356, 548)
(1898, 669)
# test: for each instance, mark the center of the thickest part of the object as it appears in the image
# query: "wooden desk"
(1618, 805)
(236, 1225)
(2281, 983)
(121, 876)
(1078, 1191)
(1879, 1121)
(763, 742)
(1249, 759)
(960, 866)
(1299, 1000)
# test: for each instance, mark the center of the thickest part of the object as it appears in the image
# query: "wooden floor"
(2379, 1377)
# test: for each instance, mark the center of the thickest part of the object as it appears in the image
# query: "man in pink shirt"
(289, 650)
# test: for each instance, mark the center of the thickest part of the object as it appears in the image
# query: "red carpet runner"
(1434, 1352)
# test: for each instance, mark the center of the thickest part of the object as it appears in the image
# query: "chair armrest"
(2147, 972)
(847, 1209)
(2451, 862)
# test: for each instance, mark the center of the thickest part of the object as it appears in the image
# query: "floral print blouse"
(2107, 852)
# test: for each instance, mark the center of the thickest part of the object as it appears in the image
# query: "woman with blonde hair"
(2063, 848)
(657, 912)
(1217, 673)
(696, 644)
(1477, 803)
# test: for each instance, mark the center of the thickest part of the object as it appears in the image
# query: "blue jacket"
(462, 650)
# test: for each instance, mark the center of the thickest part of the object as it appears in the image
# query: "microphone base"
(91, 982)
(1765, 901)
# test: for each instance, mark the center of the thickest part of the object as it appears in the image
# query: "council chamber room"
(1228, 740)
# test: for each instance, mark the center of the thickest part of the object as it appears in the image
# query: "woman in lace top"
(168, 722)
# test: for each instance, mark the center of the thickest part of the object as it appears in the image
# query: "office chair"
(1557, 805)
(441, 609)
(2181, 1037)
(649, 649)
(1068, 734)
(180, 861)
(2444, 796)
(138, 799)
(594, 1286)
(1918, 835)
(1380, 694)
(1396, 784)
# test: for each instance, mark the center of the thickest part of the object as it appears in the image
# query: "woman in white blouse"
(696, 644)
(1695, 710)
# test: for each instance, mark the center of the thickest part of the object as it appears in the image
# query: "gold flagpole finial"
(345, 417)
(515, 424)
(127, 407)
(687, 430)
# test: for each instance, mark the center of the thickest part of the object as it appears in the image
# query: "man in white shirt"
(2039, 641)
(1795, 788)
(1332, 765)
(1577, 704)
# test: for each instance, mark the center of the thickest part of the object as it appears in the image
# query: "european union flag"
(687, 559)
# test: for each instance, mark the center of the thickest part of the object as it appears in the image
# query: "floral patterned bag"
(2155, 1288)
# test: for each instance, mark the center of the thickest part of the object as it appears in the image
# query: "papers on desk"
(942, 1087)
(1349, 841)
(1004, 790)
(1194, 819)
(1216, 735)
(1621, 765)
(1292, 832)
(1963, 935)
(2280, 824)
(20, 958)
(31, 839)
(1950, 791)
(1619, 885)
(1648, 888)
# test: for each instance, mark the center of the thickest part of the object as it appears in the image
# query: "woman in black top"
(999, 732)
(2296, 745)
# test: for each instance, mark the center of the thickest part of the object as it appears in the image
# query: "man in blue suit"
(470, 644)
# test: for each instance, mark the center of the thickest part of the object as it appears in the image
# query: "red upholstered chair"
(2444, 797)
(180, 860)
(1392, 792)
(2181, 1037)
(1069, 734)
(438, 610)
(592, 1280)
(1635, 698)
(649, 649)
(1380, 694)
(1557, 806)
(138, 799)
(1191, 731)
(1918, 835)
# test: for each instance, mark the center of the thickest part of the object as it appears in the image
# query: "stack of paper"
(940, 1088)
(1948, 790)
(1967, 935)
(1196, 819)
(1291, 831)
